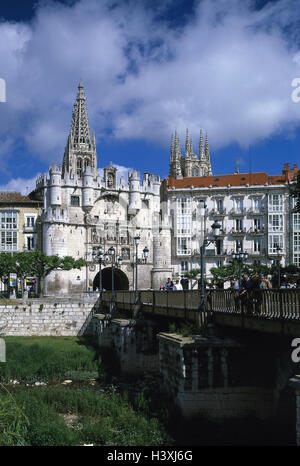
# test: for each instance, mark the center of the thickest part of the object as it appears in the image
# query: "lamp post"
(240, 257)
(112, 253)
(139, 261)
(216, 232)
(279, 250)
(100, 258)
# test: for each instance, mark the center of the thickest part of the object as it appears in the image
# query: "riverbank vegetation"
(82, 412)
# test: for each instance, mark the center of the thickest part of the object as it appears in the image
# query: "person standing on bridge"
(169, 285)
(177, 286)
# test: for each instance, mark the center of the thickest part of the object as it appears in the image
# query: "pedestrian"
(246, 301)
(236, 293)
(177, 286)
(184, 283)
(169, 285)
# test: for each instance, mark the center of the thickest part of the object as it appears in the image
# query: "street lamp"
(112, 253)
(101, 258)
(216, 232)
(138, 260)
(279, 250)
(240, 257)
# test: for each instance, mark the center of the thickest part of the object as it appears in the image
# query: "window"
(219, 246)
(9, 240)
(296, 222)
(30, 221)
(9, 233)
(219, 206)
(257, 204)
(184, 266)
(184, 225)
(257, 245)
(30, 243)
(275, 202)
(145, 204)
(275, 240)
(238, 245)
(257, 224)
(75, 201)
(275, 222)
(297, 242)
(184, 246)
(79, 167)
(8, 220)
(239, 224)
(297, 259)
(238, 205)
(184, 205)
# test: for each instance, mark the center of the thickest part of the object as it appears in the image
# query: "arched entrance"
(120, 279)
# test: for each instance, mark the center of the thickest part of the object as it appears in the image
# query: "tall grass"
(108, 419)
(31, 359)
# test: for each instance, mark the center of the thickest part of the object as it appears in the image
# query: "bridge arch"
(120, 279)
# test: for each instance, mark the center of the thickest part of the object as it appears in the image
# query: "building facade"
(83, 210)
(255, 211)
(20, 226)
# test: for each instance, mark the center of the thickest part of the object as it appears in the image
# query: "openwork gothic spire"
(80, 132)
(191, 164)
(80, 150)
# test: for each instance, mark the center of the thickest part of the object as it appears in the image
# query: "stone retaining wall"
(47, 317)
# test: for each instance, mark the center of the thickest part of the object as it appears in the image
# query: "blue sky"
(149, 68)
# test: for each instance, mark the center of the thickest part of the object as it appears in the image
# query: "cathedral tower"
(80, 150)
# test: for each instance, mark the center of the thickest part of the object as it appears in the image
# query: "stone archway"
(120, 279)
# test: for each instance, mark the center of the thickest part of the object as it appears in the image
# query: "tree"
(295, 192)
(43, 265)
(6, 267)
(22, 266)
(193, 275)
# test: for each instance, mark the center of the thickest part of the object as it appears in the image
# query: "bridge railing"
(283, 303)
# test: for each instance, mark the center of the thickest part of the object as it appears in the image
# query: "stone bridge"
(242, 368)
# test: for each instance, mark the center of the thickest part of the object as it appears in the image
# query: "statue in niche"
(95, 237)
(110, 180)
(125, 254)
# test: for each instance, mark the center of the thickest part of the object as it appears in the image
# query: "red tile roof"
(11, 197)
(239, 179)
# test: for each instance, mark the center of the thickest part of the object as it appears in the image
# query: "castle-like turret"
(134, 192)
(88, 189)
(55, 185)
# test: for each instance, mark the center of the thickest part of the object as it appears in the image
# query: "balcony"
(262, 252)
(235, 232)
(257, 231)
(29, 228)
(214, 253)
(237, 212)
(255, 211)
(218, 212)
(223, 231)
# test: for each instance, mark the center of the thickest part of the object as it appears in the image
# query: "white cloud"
(20, 185)
(229, 71)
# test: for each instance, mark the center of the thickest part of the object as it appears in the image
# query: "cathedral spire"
(80, 131)
(191, 146)
(207, 157)
(187, 145)
(80, 150)
(172, 147)
(201, 147)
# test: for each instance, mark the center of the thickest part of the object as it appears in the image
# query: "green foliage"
(31, 359)
(34, 263)
(13, 422)
(106, 419)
